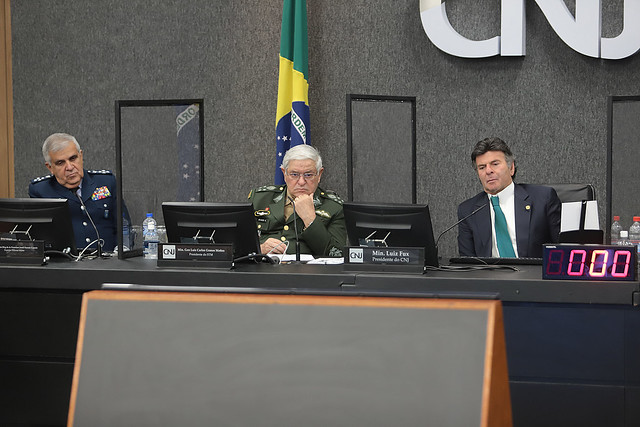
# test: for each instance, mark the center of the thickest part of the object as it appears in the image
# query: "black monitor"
(400, 225)
(38, 219)
(202, 222)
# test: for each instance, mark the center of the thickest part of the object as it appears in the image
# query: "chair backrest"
(574, 192)
(577, 193)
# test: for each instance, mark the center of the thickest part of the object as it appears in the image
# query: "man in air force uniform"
(91, 195)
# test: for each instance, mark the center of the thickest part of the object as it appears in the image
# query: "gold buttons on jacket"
(286, 228)
(283, 238)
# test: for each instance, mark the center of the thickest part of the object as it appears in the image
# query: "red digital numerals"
(596, 266)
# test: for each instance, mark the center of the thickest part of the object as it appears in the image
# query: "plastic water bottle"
(148, 218)
(150, 234)
(624, 239)
(634, 231)
(616, 228)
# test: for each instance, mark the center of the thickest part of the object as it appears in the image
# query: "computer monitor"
(400, 225)
(38, 219)
(202, 222)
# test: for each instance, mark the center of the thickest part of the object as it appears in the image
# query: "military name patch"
(101, 193)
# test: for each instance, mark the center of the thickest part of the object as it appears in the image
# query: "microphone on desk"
(84, 208)
(475, 211)
(295, 229)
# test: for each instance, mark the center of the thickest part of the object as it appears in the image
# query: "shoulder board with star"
(331, 195)
(266, 189)
(272, 188)
(100, 172)
(42, 178)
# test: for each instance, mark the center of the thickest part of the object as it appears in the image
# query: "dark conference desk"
(573, 348)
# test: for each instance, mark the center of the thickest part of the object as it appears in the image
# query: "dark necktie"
(505, 248)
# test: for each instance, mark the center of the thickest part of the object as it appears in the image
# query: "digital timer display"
(589, 262)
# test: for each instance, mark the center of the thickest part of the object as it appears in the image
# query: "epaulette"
(100, 172)
(272, 188)
(331, 195)
(266, 188)
(41, 178)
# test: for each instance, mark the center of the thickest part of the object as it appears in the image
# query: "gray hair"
(302, 152)
(56, 142)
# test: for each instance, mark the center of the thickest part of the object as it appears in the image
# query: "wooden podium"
(192, 359)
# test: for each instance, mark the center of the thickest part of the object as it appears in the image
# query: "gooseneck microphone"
(475, 211)
(295, 229)
(84, 208)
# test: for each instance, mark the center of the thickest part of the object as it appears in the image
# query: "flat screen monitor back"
(39, 219)
(400, 225)
(202, 222)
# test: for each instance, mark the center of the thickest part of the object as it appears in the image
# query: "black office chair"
(578, 193)
(574, 192)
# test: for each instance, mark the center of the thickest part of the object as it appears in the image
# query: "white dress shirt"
(507, 204)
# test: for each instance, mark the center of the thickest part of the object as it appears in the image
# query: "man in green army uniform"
(319, 217)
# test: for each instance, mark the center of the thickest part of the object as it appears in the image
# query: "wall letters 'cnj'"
(582, 33)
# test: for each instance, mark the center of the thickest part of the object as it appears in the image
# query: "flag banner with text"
(292, 116)
(188, 138)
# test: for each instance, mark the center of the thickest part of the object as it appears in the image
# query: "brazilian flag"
(292, 116)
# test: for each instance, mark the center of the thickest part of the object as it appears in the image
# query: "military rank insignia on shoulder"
(333, 196)
(42, 178)
(100, 172)
(269, 188)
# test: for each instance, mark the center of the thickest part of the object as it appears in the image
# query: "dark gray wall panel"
(625, 128)
(73, 58)
(382, 150)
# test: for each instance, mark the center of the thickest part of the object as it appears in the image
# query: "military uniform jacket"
(99, 197)
(327, 234)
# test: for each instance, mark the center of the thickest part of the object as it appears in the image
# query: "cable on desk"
(472, 267)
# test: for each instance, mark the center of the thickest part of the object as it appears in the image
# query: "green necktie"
(505, 248)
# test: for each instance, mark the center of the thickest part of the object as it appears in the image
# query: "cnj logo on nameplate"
(195, 254)
(384, 258)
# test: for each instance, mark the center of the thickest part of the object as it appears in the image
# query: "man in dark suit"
(506, 219)
(91, 195)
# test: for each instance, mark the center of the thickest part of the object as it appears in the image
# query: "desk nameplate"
(22, 251)
(393, 259)
(195, 255)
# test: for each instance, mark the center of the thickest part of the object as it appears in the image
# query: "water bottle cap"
(616, 218)
(149, 214)
(636, 218)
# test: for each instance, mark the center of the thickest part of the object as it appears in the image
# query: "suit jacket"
(537, 212)
(100, 198)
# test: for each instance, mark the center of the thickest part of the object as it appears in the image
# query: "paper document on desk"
(327, 261)
(570, 217)
(292, 257)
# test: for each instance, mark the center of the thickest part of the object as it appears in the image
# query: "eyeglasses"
(296, 176)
